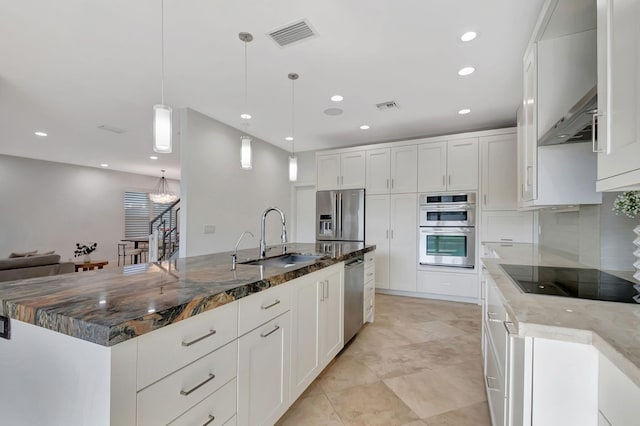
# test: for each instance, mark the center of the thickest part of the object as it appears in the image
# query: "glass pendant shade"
(162, 129)
(293, 169)
(162, 193)
(245, 153)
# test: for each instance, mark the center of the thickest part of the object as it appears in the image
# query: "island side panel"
(49, 378)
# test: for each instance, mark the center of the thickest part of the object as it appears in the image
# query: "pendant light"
(161, 112)
(245, 148)
(293, 160)
(162, 193)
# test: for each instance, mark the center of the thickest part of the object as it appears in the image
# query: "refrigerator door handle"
(340, 212)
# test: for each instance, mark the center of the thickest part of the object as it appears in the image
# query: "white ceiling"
(69, 66)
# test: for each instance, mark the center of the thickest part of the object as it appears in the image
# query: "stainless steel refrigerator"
(340, 215)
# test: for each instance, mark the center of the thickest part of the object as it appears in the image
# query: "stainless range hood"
(575, 125)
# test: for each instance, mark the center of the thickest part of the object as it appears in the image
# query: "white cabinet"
(340, 171)
(392, 170)
(436, 283)
(528, 145)
(317, 329)
(403, 218)
(377, 232)
(618, 396)
(499, 190)
(448, 165)
(368, 308)
(391, 224)
(618, 143)
(506, 226)
(263, 372)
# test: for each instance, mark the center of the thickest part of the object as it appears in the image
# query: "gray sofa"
(22, 267)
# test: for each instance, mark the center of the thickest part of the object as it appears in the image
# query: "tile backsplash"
(594, 235)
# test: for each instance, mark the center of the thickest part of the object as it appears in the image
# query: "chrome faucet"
(234, 256)
(263, 245)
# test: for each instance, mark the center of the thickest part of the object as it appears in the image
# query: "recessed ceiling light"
(468, 36)
(337, 98)
(466, 71)
(464, 111)
(365, 127)
(245, 116)
(153, 157)
(43, 134)
(288, 138)
(104, 165)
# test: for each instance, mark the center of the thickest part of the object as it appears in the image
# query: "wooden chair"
(124, 250)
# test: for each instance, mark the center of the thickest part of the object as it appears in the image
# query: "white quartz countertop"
(613, 328)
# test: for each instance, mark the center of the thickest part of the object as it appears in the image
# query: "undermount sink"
(286, 260)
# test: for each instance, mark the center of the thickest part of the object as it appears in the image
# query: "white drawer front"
(448, 283)
(494, 383)
(164, 351)
(369, 276)
(214, 410)
(165, 400)
(369, 259)
(507, 227)
(263, 306)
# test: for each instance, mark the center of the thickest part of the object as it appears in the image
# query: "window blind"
(138, 212)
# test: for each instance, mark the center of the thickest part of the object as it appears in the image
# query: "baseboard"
(473, 300)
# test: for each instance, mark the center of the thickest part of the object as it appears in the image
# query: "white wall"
(216, 191)
(52, 206)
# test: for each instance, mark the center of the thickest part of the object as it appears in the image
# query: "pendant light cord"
(162, 48)
(246, 103)
(293, 136)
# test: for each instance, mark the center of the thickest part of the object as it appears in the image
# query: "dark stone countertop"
(110, 306)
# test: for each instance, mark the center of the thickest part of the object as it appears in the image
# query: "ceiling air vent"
(387, 105)
(110, 128)
(292, 33)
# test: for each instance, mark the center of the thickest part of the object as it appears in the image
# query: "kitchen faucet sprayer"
(263, 245)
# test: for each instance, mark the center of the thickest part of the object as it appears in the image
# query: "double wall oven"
(447, 230)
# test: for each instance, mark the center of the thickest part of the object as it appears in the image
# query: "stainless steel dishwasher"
(353, 296)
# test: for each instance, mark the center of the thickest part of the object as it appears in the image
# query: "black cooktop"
(583, 283)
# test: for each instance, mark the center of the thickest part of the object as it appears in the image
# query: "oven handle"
(448, 207)
(447, 230)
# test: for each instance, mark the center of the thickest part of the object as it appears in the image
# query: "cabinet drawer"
(217, 408)
(167, 399)
(369, 275)
(448, 283)
(494, 383)
(507, 227)
(164, 351)
(370, 259)
(261, 307)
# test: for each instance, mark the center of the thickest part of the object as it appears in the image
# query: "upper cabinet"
(448, 165)
(499, 190)
(392, 170)
(340, 171)
(618, 118)
(556, 162)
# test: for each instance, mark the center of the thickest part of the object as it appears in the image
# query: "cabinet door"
(530, 128)
(404, 169)
(499, 191)
(403, 244)
(352, 170)
(328, 171)
(507, 227)
(378, 171)
(432, 165)
(377, 232)
(462, 164)
(331, 315)
(263, 372)
(305, 328)
(620, 149)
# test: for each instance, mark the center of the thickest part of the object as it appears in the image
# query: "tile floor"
(420, 363)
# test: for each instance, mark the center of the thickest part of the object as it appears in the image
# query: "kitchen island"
(549, 357)
(101, 347)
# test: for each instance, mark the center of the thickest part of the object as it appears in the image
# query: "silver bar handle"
(387, 183)
(392, 234)
(506, 239)
(209, 334)
(443, 180)
(340, 214)
(337, 180)
(485, 199)
(392, 183)
(276, 328)
(326, 286)
(487, 378)
(594, 139)
(387, 234)
(322, 291)
(271, 305)
(193, 389)
(211, 418)
(449, 179)
(511, 329)
(370, 274)
(527, 175)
